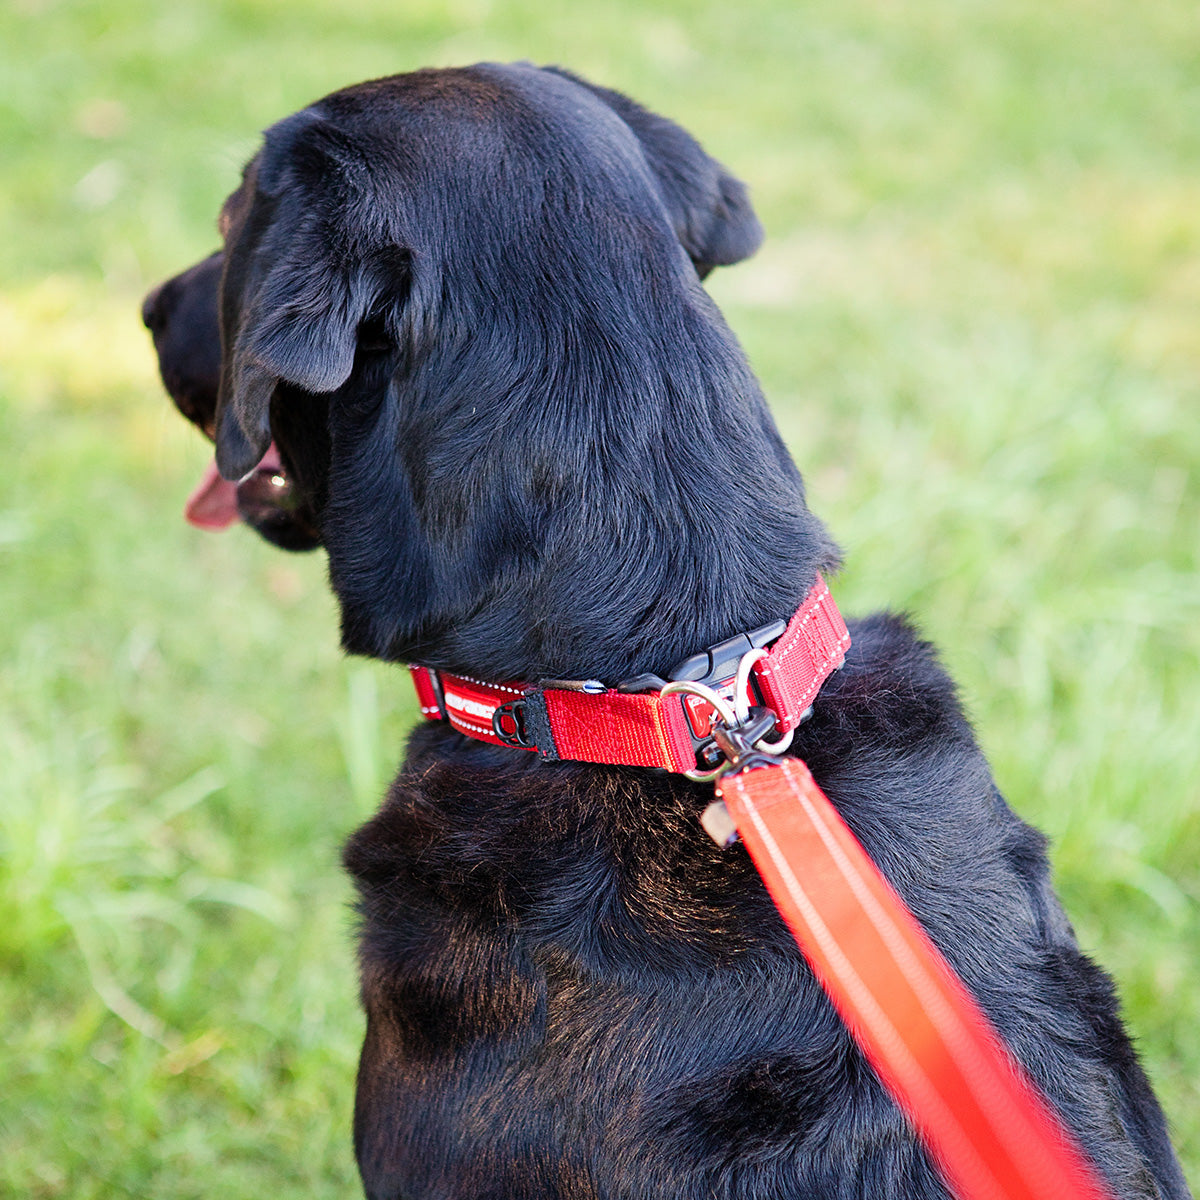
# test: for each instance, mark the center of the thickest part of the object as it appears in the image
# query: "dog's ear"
(710, 210)
(297, 322)
(299, 327)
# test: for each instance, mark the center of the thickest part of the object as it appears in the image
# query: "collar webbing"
(588, 722)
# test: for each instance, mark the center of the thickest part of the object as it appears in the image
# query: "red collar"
(637, 723)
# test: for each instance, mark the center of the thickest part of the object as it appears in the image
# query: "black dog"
(465, 306)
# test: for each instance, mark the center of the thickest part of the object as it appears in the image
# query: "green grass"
(977, 315)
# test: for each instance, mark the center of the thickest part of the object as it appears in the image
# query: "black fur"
(466, 306)
(181, 314)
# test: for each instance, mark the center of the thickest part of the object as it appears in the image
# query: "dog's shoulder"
(890, 743)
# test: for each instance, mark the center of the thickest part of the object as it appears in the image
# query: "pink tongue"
(213, 505)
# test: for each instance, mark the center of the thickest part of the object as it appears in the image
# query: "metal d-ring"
(725, 711)
(741, 700)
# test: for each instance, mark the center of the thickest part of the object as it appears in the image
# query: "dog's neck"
(611, 508)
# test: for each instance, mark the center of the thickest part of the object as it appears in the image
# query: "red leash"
(991, 1133)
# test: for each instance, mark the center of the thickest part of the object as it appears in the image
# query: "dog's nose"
(152, 315)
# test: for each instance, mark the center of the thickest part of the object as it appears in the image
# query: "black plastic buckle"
(525, 723)
(719, 663)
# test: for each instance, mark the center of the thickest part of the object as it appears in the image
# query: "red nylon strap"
(814, 644)
(468, 704)
(644, 730)
(988, 1128)
(427, 696)
(647, 729)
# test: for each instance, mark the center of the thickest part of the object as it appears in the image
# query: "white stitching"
(458, 721)
(786, 650)
(814, 687)
(771, 665)
(496, 687)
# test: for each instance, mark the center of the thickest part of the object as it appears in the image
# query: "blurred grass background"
(976, 315)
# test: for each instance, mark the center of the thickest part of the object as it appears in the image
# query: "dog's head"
(181, 314)
(462, 327)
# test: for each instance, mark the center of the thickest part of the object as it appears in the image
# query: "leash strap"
(992, 1134)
